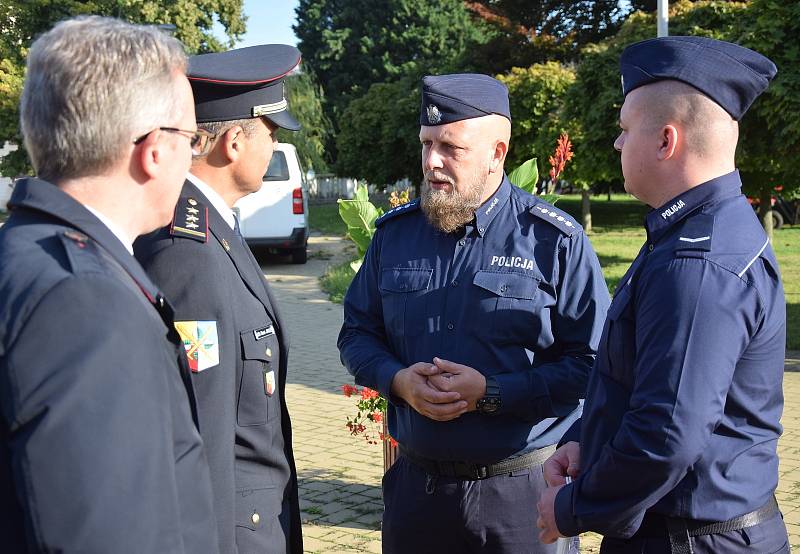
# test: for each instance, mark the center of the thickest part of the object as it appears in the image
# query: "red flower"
(367, 393)
(349, 390)
(370, 413)
(561, 156)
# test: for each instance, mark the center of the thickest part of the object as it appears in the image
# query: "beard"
(449, 211)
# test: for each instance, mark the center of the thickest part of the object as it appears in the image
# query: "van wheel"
(299, 255)
(777, 220)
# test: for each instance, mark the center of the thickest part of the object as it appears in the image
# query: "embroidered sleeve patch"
(201, 341)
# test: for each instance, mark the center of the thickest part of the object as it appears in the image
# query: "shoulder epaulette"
(694, 236)
(190, 220)
(557, 218)
(399, 210)
(82, 252)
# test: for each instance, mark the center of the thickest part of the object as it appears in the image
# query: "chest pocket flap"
(405, 279)
(256, 341)
(508, 285)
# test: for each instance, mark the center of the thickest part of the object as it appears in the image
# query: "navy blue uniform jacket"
(99, 450)
(213, 277)
(520, 283)
(683, 407)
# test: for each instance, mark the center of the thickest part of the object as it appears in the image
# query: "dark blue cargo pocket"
(511, 302)
(258, 400)
(403, 310)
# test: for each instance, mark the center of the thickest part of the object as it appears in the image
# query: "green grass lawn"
(617, 236)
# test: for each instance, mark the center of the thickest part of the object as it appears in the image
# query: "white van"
(276, 217)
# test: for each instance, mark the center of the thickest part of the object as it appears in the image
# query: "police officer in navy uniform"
(99, 440)
(225, 311)
(476, 312)
(677, 447)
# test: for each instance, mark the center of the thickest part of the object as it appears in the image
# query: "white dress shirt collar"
(114, 228)
(215, 199)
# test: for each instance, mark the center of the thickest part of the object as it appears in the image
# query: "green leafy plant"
(526, 176)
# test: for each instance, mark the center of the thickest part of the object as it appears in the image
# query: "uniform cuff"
(565, 521)
(385, 377)
(517, 391)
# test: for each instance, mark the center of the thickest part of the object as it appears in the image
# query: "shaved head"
(708, 130)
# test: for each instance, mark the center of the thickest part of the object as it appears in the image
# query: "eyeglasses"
(199, 140)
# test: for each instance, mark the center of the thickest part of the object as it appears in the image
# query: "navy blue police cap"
(244, 83)
(449, 98)
(729, 74)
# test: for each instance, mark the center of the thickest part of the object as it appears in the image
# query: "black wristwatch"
(490, 403)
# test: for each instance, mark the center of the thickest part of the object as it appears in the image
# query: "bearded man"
(477, 313)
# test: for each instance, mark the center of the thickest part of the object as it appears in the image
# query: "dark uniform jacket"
(683, 407)
(99, 446)
(519, 283)
(238, 353)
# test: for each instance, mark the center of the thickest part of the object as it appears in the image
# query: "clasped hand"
(564, 461)
(441, 391)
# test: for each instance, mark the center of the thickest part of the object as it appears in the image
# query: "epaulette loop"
(190, 220)
(82, 251)
(559, 219)
(399, 210)
(694, 236)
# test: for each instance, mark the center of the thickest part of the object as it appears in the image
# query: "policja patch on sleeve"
(201, 341)
(190, 219)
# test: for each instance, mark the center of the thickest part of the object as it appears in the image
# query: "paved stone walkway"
(340, 494)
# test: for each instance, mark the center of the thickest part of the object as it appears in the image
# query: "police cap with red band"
(244, 83)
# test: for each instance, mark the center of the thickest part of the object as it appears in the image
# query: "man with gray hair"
(100, 447)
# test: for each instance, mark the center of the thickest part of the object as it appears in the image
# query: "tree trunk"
(586, 211)
(765, 213)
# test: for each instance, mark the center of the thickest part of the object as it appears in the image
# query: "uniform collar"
(493, 205)
(659, 220)
(113, 227)
(42, 196)
(214, 199)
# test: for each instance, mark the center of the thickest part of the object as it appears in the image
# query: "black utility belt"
(659, 526)
(470, 471)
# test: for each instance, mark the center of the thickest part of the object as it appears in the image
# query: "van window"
(278, 169)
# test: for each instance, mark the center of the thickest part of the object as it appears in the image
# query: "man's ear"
(498, 156)
(668, 142)
(147, 158)
(232, 143)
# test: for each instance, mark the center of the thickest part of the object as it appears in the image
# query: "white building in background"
(5, 182)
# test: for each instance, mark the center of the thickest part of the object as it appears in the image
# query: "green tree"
(536, 95)
(26, 19)
(379, 136)
(769, 150)
(577, 22)
(596, 98)
(353, 44)
(306, 104)
(525, 33)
